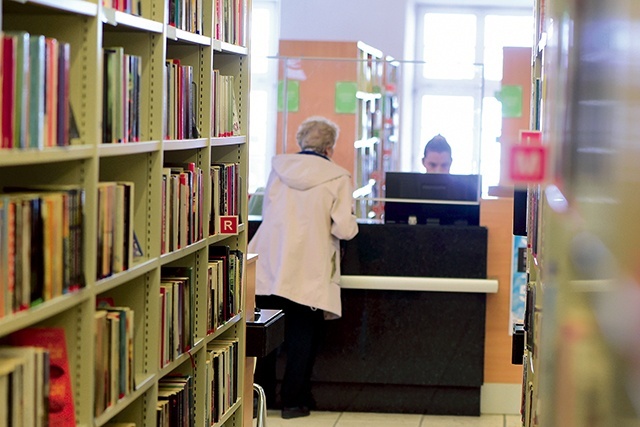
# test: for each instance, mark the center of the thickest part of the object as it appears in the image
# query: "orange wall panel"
(496, 215)
(317, 91)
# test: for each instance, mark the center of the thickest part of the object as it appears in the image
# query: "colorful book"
(36, 91)
(9, 78)
(61, 405)
(21, 106)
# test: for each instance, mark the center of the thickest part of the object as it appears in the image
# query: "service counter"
(412, 334)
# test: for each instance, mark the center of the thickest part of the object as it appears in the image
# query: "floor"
(356, 419)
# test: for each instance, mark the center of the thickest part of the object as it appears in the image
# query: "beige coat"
(307, 210)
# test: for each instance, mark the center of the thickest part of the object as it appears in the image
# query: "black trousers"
(303, 331)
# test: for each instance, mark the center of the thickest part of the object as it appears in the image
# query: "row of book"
(224, 276)
(176, 406)
(229, 18)
(182, 216)
(35, 382)
(133, 7)
(230, 23)
(221, 380)
(225, 193)
(114, 360)
(115, 227)
(180, 102)
(177, 312)
(225, 120)
(41, 245)
(35, 85)
(177, 300)
(121, 96)
(186, 15)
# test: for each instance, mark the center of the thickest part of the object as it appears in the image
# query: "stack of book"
(186, 15)
(115, 227)
(221, 380)
(230, 262)
(177, 308)
(114, 368)
(176, 401)
(182, 199)
(35, 91)
(230, 25)
(180, 102)
(41, 245)
(128, 6)
(225, 193)
(121, 96)
(35, 381)
(225, 119)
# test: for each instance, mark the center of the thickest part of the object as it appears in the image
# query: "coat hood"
(304, 171)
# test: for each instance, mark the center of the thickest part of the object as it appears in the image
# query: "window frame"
(424, 86)
(267, 82)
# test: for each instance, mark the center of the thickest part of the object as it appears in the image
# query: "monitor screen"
(437, 199)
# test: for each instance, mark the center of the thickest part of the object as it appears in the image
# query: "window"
(264, 44)
(460, 52)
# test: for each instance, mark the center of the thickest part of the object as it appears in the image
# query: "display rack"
(368, 174)
(85, 162)
(364, 105)
(581, 345)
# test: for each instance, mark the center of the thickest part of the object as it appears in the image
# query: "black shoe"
(295, 412)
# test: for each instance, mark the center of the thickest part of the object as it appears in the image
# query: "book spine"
(11, 259)
(36, 91)
(9, 59)
(64, 69)
(51, 98)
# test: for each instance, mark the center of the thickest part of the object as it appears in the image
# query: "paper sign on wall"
(346, 101)
(292, 94)
(511, 99)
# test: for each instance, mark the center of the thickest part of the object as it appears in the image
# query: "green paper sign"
(346, 97)
(511, 98)
(293, 96)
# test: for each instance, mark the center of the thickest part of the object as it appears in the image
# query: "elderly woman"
(307, 209)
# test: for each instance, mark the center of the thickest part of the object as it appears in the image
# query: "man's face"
(437, 162)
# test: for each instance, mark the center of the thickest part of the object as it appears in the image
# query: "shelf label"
(528, 161)
(228, 225)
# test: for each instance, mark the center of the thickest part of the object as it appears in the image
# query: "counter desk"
(412, 335)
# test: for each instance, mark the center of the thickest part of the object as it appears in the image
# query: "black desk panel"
(406, 351)
(417, 251)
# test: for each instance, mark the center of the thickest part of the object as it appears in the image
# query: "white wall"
(379, 23)
(382, 24)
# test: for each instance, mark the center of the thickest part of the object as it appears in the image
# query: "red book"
(9, 52)
(61, 406)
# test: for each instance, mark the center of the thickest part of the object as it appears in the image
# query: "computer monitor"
(432, 199)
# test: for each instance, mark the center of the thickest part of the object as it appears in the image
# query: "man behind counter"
(437, 155)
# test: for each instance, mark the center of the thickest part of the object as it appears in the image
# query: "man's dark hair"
(438, 144)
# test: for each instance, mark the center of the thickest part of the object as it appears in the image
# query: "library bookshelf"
(581, 342)
(137, 253)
